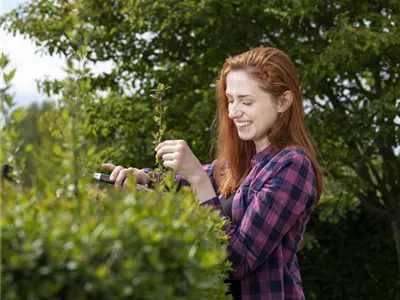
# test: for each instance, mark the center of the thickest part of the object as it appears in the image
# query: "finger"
(115, 172)
(126, 182)
(171, 164)
(167, 149)
(169, 156)
(133, 171)
(166, 143)
(122, 175)
(142, 177)
(108, 166)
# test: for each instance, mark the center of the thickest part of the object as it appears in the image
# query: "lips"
(243, 124)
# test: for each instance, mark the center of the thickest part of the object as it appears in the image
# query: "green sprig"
(159, 94)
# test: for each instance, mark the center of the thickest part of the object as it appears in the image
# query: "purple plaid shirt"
(270, 211)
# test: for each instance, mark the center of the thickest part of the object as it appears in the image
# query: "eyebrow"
(239, 96)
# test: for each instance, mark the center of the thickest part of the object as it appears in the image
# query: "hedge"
(132, 244)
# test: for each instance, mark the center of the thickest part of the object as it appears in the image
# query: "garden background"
(347, 56)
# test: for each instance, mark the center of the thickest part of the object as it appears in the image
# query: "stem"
(159, 95)
(75, 156)
(160, 125)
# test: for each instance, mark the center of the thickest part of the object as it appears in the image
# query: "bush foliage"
(133, 244)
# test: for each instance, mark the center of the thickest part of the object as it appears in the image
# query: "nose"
(234, 111)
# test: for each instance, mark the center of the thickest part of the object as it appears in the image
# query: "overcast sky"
(29, 64)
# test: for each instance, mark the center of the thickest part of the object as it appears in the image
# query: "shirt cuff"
(216, 204)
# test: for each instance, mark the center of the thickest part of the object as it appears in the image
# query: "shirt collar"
(266, 154)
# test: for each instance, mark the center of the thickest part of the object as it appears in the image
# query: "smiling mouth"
(243, 124)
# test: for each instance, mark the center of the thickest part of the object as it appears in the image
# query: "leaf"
(57, 150)
(4, 61)
(8, 100)
(8, 77)
(18, 114)
(28, 148)
(70, 34)
(91, 151)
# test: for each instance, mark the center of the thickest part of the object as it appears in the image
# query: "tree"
(346, 54)
(10, 118)
(34, 142)
(342, 265)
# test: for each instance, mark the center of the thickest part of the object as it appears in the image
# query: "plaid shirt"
(270, 211)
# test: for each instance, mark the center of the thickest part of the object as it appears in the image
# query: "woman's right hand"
(120, 174)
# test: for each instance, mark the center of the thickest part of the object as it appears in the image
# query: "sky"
(29, 64)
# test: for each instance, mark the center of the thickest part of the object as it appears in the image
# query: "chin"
(246, 138)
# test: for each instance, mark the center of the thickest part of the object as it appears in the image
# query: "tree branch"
(369, 95)
(379, 211)
(332, 97)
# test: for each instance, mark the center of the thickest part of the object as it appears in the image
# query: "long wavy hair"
(276, 74)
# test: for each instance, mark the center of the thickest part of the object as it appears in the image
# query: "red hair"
(276, 75)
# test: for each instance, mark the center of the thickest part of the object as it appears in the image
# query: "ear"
(285, 101)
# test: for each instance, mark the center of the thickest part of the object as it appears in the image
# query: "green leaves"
(8, 77)
(159, 120)
(346, 54)
(147, 244)
(6, 99)
(4, 60)
(11, 146)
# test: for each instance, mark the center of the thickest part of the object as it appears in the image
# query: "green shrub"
(110, 245)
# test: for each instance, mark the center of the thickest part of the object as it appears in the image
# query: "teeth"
(241, 124)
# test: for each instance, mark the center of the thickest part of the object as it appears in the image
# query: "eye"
(247, 103)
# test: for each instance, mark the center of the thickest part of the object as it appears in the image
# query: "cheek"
(268, 119)
(273, 112)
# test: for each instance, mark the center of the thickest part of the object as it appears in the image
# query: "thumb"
(108, 166)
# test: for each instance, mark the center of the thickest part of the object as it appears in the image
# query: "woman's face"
(252, 109)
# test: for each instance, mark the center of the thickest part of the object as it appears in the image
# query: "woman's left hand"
(177, 155)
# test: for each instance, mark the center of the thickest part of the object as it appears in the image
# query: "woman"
(265, 178)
